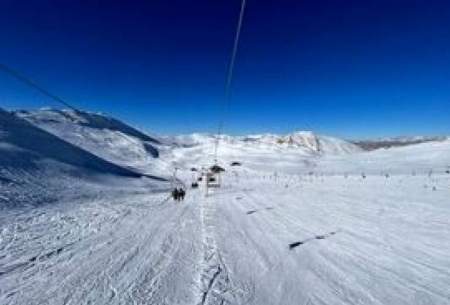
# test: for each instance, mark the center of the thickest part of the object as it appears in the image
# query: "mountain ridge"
(130, 143)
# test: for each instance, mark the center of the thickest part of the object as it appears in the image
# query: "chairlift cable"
(34, 85)
(29, 82)
(229, 79)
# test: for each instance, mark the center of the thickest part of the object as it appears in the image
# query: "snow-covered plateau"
(86, 217)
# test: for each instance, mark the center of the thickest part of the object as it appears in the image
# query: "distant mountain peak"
(305, 141)
(397, 141)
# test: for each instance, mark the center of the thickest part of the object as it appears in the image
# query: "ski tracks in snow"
(215, 279)
(135, 250)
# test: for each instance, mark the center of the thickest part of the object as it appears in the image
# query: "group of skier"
(178, 194)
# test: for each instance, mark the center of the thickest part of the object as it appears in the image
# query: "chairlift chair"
(212, 180)
(216, 169)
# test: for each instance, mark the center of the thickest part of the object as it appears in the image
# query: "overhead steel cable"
(229, 79)
(29, 82)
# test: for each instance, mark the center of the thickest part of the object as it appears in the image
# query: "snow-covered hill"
(304, 141)
(397, 142)
(121, 144)
(259, 151)
(26, 147)
(301, 151)
(101, 135)
(82, 118)
(35, 165)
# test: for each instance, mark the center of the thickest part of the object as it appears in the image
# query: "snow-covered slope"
(305, 152)
(121, 144)
(36, 166)
(301, 151)
(101, 135)
(259, 151)
(82, 118)
(24, 146)
(423, 158)
(397, 142)
(305, 141)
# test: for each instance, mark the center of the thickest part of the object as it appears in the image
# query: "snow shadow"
(30, 262)
(254, 211)
(6, 180)
(317, 237)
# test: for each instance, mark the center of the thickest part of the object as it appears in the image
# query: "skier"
(175, 194)
(182, 194)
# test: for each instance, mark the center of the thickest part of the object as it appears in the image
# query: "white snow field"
(305, 219)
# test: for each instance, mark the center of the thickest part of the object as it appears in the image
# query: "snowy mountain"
(305, 141)
(396, 142)
(35, 164)
(101, 135)
(82, 118)
(121, 144)
(257, 151)
(25, 147)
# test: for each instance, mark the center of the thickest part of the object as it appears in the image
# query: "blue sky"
(353, 69)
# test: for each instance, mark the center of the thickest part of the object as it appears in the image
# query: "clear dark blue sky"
(347, 68)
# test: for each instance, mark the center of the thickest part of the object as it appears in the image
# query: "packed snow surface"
(304, 219)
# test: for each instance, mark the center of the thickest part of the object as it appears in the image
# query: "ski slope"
(293, 225)
(349, 244)
(352, 246)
